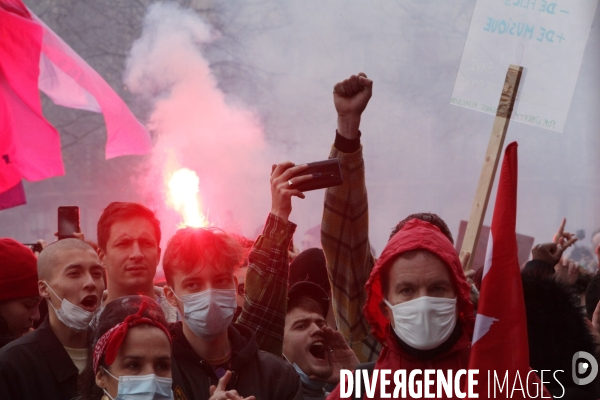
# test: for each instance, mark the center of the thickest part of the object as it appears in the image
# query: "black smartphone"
(325, 174)
(35, 247)
(68, 221)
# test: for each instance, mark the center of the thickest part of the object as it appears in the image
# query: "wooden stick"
(490, 164)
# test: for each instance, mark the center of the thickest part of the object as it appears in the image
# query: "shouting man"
(316, 351)
(46, 363)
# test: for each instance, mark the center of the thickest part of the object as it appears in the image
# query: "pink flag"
(30, 146)
(32, 57)
(69, 81)
(500, 349)
(11, 187)
(10, 179)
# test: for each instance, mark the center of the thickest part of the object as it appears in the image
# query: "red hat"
(417, 235)
(18, 271)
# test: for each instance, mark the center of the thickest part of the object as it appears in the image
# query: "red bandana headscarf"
(110, 343)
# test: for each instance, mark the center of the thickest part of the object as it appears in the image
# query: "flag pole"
(490, 164)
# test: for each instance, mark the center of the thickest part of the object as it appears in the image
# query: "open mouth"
(90, 302)
(318, 350)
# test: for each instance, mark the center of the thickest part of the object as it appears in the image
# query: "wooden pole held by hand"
(490, 164)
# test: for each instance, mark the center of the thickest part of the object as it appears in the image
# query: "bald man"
(46, 363)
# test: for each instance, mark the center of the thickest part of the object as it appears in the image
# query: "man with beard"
(46, 363)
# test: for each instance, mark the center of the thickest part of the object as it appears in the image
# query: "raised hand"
(341, 356)
(550, 252)
(350, 98)
(219, 392)
(562, 237)
(283, 187)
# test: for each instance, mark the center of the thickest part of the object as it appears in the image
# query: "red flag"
(30, 146)
(13, 197)
(33, 58)
(500, 349)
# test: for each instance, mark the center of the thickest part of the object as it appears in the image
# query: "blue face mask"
(143, 387)
(307, 383)
(209, 313)
(71, 315)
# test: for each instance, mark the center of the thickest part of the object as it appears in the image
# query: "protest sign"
(547, 38)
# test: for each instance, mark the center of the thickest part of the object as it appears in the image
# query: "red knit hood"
(415, 235)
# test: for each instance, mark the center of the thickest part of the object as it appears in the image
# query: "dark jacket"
(6, 335)
(37, 366)
(557, 329)
(255, 373)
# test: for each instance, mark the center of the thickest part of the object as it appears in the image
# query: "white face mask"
(425, 322)
(71, 315)
(142, 387)
(209, 313)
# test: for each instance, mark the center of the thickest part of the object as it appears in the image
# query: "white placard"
(547, 38)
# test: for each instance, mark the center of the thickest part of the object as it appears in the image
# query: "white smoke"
(195, 125)
(421, 153)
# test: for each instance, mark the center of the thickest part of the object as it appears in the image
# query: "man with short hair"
(211, 355)
(46, 363)
(316, 351)
(129, 248)
(200, 266)
(19, 296)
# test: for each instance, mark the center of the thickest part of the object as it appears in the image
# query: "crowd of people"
(286, 326)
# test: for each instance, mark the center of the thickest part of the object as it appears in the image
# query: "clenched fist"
(350, 98)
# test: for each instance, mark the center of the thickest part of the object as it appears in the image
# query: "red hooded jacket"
(417, 234)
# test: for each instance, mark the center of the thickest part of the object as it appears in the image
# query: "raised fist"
(352, 95)
(350, 98)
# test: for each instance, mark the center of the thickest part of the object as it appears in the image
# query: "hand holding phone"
(68, 221)
(282, 191)
(325, 174)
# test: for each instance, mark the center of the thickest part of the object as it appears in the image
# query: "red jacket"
(417, 234)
